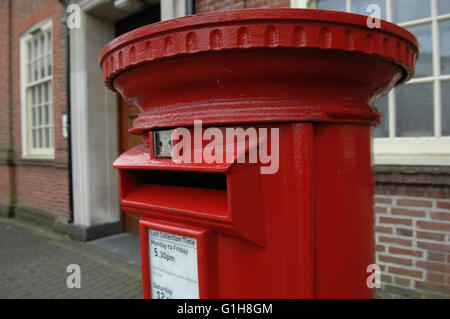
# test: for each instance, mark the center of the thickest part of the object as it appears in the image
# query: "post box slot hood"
(142, 156)
(139, 157)
(200, 196)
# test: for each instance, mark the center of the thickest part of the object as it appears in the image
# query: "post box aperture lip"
(211, 200)
(258, 66)
(276, 28)
(181, 192)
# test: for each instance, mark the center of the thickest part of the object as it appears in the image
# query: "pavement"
(34, 261)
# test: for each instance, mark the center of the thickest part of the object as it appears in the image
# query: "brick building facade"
(33, 184)
(412, 199)
(413, 230)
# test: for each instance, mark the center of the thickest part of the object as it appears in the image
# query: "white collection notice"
(173, 266)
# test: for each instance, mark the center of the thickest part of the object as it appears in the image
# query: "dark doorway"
(139, 19)
(128, 113)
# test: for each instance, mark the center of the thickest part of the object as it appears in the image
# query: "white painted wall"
(94, 117)
(94, 127)
(171, 9)
(302, 4)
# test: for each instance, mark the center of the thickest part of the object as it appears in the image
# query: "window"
(416, 125)
(36, 56)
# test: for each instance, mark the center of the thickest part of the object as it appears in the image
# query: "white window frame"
(171, 9)
(411, 150)
(27, 150)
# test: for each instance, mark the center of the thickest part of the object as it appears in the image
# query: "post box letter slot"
(175, 192)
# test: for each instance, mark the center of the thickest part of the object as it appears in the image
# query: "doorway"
(127, 113)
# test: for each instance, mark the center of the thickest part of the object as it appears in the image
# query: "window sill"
(43, 157)
(412, 159)
(426, 151)
(50, 162)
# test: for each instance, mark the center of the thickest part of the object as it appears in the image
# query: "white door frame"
(94, 119)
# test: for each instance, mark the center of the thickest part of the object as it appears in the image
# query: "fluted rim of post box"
(259, 28)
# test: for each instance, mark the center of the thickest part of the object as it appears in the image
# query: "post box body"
(302, 78)
(304, 232)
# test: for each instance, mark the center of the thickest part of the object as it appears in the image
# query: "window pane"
(49, 42)
(414, 110)
(33, 96)
(51, 136)
(445, 108)
(443, 6)
(49, 65)
(33, 117)
(42, 45)
(45, 91)
(50, 91)
(42, 66)
(407, 10)
(29, 73)
(35, 70)
(336, 5)
(39, 98)
(47, 69)
(39, 108)
(47, 138)
(33, 133)
(444, 43)
(382, 130)
(360, 6)
(39, 50)
(46, 122)
(35, 49)
(424, 66)
(40, 137)
(29, 51)
(32, 72)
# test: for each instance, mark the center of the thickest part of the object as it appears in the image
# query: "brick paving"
(33, 264)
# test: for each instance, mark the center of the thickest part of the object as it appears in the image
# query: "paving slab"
(34, 261)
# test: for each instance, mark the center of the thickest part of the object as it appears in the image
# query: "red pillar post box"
(298, 221)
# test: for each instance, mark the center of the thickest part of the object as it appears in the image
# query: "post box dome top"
(258, 28)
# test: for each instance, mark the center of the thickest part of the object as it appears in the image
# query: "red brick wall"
(40, 183)
(4, 185)
(4, 105)
(43, 187)
(4, 88)
(217, 5)
(413, 233)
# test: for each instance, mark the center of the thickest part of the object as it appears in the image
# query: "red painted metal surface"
(319, 65)
(306, 231)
